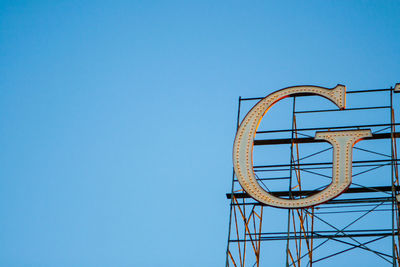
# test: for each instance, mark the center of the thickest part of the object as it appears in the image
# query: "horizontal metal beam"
(312, 140)
(358, 231)
(360, 200)
(347, 92)
(314, 236)
(329, 128)
(335, 201)
(373, 189)
(382, 161)
(335, 110)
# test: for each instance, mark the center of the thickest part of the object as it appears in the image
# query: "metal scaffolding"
(363, 222)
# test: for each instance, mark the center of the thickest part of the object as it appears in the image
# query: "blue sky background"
(117, 118)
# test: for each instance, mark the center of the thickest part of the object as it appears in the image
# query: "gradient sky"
(117, 118)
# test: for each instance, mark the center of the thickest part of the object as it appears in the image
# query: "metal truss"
(362, 223)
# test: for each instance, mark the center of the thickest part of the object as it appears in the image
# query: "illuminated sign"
(342, 142)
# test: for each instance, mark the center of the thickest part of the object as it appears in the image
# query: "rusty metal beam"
(373, 189)
(283, 141)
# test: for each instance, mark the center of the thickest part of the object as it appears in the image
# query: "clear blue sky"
(117, 118)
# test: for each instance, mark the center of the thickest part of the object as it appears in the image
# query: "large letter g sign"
(342, 142)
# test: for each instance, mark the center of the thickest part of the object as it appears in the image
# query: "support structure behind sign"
(363, 222)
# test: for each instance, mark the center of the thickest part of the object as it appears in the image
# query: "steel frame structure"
(308, 230)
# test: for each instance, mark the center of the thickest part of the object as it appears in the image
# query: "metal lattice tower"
(362, 222)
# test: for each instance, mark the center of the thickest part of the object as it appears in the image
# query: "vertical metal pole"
(290, 181)
(233, 181)
(392, 180)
